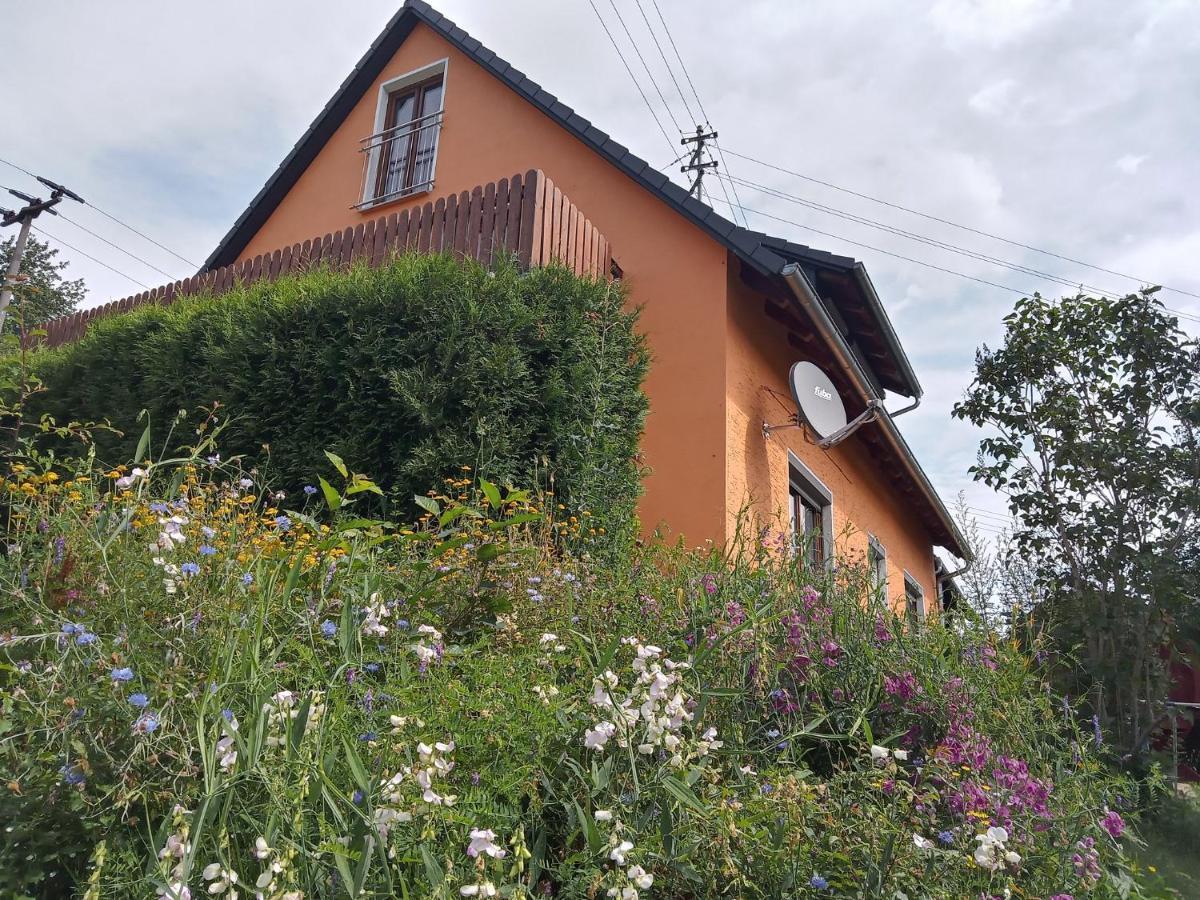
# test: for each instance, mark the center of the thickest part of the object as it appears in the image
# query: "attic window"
(401, 155)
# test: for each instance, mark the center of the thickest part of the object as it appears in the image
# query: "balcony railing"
(400, 161)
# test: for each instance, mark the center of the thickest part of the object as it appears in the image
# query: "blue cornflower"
(773, 733)
(372, 667)
(190, 568)
(158, 507)
(367, 736)
(309, 489)
(123, 674)
(72, 628)
(283, 523)
(945, 837)
(209, 533)
(766, 788)
(357, 797)
(818, 882)
(207, 550)
(247, 579)
(328, 629)
(141, 701)
(228, 714)
(72, 775)
(147, 723)
(84, 638)
(402, 623)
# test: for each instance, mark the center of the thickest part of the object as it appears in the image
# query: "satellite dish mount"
(820, 406)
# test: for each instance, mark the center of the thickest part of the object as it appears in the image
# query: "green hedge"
(409, 372)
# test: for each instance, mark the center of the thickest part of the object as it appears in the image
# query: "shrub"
(408, 371)
(202, 685)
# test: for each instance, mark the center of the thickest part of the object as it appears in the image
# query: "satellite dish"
(817, 399)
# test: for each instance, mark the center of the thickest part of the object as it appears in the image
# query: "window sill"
(371, 205)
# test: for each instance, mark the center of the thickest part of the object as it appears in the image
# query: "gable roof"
(842, 280)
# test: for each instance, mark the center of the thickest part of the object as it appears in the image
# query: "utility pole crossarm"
(696, 163)
(34, 207)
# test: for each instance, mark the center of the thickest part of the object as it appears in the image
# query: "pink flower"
(1113, 824)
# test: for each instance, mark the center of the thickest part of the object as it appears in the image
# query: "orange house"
(727, 311)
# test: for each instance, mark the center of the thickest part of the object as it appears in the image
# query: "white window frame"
(878, 570)
(914, 598)
(389, 87)
(803, 481)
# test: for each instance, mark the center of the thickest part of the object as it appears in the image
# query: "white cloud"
(1129, 163)
(993, 22)
(995, 99)
(1005, 115)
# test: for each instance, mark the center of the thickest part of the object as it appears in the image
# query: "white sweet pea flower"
(997, 835)
(596, 738)
(879, 754)
(617, 854)
(227, 756)
(125, 482)
(900, 754)
(483, 841)
(923, 843)
(482, 889)
(603, 815)
(261, 848)
(640, 877)
(1013, 859)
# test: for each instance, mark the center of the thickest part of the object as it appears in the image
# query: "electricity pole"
(695, 164)
(34, 207)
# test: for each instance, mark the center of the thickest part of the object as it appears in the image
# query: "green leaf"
(428, 504)
(683, 794)
(491, 492)
(332, 498)
(433, 870)
(337, 463)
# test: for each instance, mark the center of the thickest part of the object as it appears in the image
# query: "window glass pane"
(433, 99)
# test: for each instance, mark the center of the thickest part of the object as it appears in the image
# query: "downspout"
(812, 306)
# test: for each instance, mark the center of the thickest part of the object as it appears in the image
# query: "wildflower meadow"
(212, 688)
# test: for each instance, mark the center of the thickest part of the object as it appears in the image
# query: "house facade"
(429, 112)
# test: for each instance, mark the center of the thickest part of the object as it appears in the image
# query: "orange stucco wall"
(713, 350)
(758, 357)
(675, 271)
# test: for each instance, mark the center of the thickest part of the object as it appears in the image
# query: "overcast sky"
(1073, 127)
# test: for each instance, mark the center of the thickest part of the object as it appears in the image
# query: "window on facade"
(401, 157)
(877, 569)
(811, 512)
(914, 596)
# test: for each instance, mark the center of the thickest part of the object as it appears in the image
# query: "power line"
(980, 232)
(900, 232)
(649, 74)
(667, 65)
(838, 237)
(145, 237)
(682, 65)
(933, 243)
(691, 84)
(632, 77)
(116, 247)
(128, 227)
(58, 240)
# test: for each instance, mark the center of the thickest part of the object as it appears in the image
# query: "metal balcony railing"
(400, 161)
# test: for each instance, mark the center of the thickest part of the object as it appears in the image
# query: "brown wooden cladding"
(525, 215)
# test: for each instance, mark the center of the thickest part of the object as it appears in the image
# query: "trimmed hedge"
(409, 372)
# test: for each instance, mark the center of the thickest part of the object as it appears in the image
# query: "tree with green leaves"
(42, 292)
(1094, 409)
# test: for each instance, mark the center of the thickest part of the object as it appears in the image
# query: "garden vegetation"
(407, 371)
(212, 689)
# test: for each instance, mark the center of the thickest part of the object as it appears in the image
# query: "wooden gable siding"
(525, 215)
